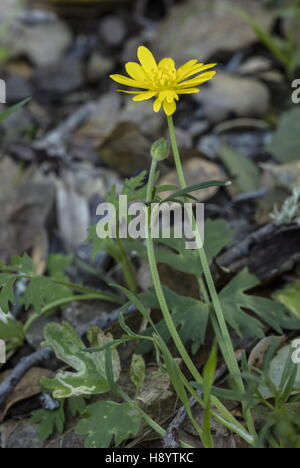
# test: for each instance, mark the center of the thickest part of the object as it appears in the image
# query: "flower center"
(164, 77)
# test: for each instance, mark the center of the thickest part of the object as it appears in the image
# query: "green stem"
(58, 303)
(226, 343)
(109, 297)
(167, 315)
(127, 267)
(159, 290)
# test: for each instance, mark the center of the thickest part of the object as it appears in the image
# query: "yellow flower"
(162, 81)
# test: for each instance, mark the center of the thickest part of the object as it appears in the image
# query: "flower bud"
(160, 150)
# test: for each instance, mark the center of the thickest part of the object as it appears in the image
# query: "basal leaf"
(236, 304)
(76, 405)
(217, 236)
(7, 294)
(90, 377)
(11, 330)
(106, 422)
(189, 315)
(137, 371)
(48, 422)
(41, 291)
(276, 371)
(57, 265)
(23, 264)
(290, 297)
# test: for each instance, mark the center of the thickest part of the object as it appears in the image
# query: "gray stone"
(113, 30)
(99, 66)
(228, 95)
(198, 29)
(60, 78)
(44, 44)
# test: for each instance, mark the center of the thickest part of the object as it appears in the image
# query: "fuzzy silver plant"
(290, 210)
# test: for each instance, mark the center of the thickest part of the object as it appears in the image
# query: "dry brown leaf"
(28, 386)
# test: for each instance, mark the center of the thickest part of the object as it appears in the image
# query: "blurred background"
(63, 151)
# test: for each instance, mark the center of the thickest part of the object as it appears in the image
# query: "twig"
(20, 370)
(241, 249)
(54, 143)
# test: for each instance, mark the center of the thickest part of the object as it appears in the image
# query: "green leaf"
(23, 264)
(246, 173)
(107, 421)
(236, 304)
(195, 188)
(48, 422)
(137, 371)
(90, 378)
(7, 294)
(57, 264)
(290, 297)
(276, 371)
(41, 291)
(156, 387)
(217, 236)
(8, 112)
(134, 183)
(285, 145)
(190, 315)
(11, 330)
(76, 405)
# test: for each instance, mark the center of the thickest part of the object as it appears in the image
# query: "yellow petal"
(147, 60)
(169, 96)
(166, 62)
(128, 81)
(169, 108)
(157, 105)
(183, 69)
(197, 80)
(128, 92)
(144, 96)
(194, 70)
(135, 71)
(188, 91)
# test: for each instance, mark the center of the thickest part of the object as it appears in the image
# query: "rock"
(255, 65)
(126, 150)
(35, 334)
(200, 29)
(99, 66)
(98, 127)
(196, 170)
(141, 114)
(60, 78)
(82, 313)
(112, 30)
(184, 138)
(17, 124)
(229, 95)
(17, 88)
(251, 142)
(68, 440)
(34, 43)
(19, 434)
